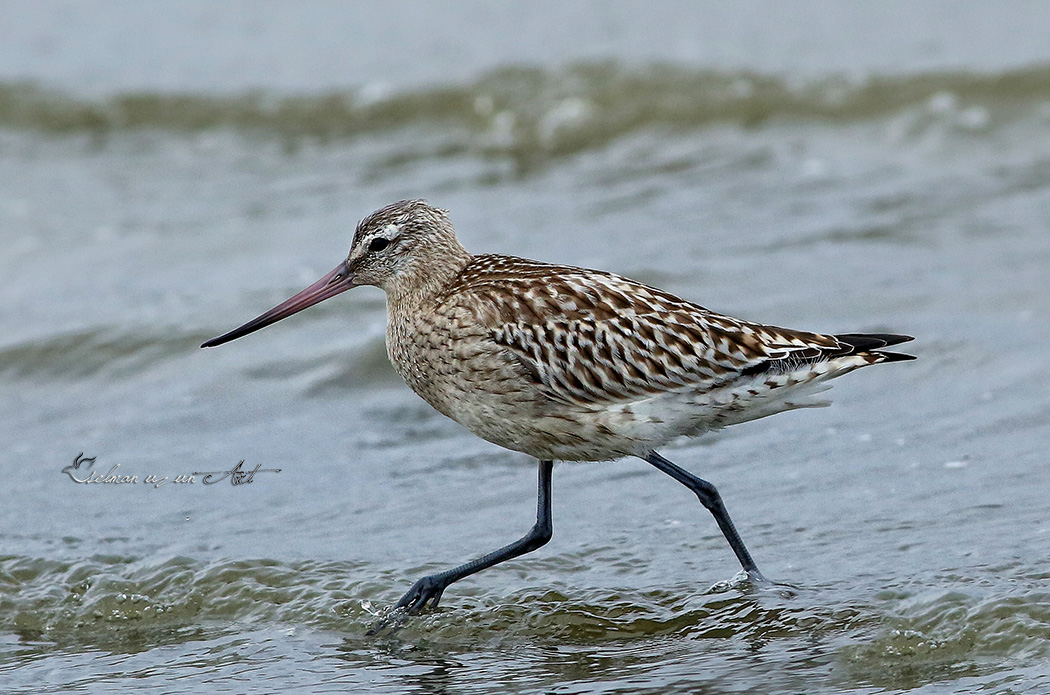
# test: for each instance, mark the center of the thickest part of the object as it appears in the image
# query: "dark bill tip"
(339, 280)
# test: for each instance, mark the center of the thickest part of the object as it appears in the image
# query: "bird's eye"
(378, 244)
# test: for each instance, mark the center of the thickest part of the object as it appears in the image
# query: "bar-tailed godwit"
(569, 364)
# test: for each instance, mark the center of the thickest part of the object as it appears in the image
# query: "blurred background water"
(171, 169)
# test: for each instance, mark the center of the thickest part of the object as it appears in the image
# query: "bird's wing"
(594, 337)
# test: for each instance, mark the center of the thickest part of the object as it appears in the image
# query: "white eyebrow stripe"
(389, 232)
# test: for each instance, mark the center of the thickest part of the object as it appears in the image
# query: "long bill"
(339, 280)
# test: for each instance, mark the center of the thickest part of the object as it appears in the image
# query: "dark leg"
(710, 498)
(428, 589)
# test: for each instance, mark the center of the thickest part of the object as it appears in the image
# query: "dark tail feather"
(873, 343)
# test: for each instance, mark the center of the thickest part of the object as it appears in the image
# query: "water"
(169, 172)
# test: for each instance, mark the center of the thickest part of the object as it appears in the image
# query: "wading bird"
(569, 364)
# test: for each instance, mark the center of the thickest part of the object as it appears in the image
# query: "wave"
(99, 351)
(115, 353)
(130, 604)
(515, 110)
(121, 602)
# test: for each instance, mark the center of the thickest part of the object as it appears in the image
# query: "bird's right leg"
(427, 591)
(709, 497)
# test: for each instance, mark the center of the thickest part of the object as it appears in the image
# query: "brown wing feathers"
(591, 336)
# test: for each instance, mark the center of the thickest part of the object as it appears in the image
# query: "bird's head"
(409, 246)
(401, 244)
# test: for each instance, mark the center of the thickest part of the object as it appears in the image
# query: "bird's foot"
(423, 594)
(760, 583)
(753, 581)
